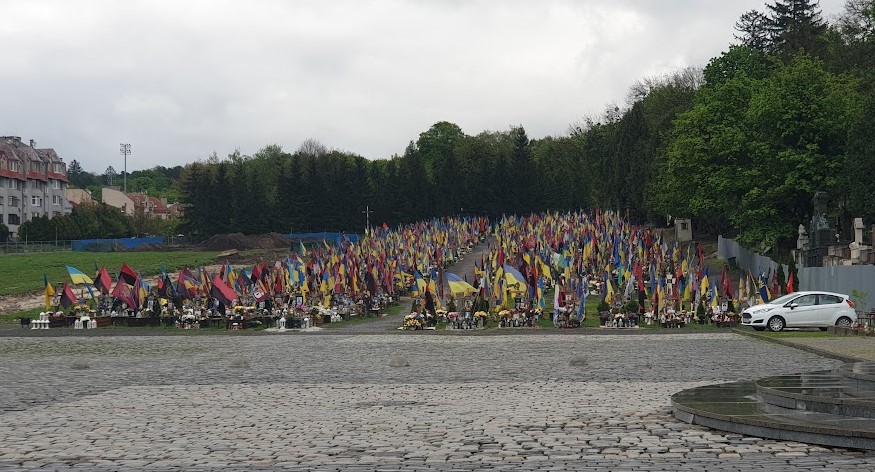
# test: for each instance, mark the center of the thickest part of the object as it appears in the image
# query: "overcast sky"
(180, 79)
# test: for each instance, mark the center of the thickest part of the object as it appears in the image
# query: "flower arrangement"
(481, 314)
(410, 321)
(453, 315)
(504, 313)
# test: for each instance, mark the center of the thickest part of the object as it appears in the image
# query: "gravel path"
(305, 402)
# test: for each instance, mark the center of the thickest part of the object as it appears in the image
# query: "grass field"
(14, 317)
(23, 273)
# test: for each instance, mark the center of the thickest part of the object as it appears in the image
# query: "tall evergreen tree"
(796, 25)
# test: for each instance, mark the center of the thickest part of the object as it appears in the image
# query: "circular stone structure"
(831, 407)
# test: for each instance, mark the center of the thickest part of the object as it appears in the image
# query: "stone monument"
(683, 229)
(820, 233)
(859, 251)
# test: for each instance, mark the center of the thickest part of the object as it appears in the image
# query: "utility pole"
(125, 150)
(367, 211)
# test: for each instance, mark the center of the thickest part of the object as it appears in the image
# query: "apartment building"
(33, 183)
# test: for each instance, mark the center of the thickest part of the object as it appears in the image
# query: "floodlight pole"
(125, 150)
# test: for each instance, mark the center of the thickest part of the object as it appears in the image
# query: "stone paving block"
(339, 407)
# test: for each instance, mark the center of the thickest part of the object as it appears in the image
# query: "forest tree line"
(739, 146)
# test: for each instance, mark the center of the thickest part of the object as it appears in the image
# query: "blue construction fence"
(110, 245)
(324, 236)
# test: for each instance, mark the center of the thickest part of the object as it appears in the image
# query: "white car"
(801, 310)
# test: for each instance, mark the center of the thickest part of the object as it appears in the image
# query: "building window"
(34, 216)
(1, 218)
(13, 201)
(13, 166)
(1, 200)
(56, 199)
(56, 184)
(14, 219)
(36, 201)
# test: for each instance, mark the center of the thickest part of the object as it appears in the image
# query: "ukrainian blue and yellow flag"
(515, 280)
(458, 285)
(78, 277)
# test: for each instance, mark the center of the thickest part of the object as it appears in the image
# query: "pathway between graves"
(462, 268)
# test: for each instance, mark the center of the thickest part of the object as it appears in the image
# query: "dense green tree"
(740, 60)
(750, 154)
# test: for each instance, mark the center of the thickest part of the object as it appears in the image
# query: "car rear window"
(829, 300)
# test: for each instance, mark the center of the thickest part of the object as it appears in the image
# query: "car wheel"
(844, 322)
(776, 323)
(822, 329)
(759, 328)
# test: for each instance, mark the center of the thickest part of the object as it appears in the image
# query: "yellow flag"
(50, 293)
(610, 296)
(545, 271)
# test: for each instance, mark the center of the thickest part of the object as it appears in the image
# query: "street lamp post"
(125, 150)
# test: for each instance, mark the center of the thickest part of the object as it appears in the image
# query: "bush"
(603, 306)
(631, 306)
(4, 233)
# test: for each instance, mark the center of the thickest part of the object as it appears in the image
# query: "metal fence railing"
(35, 246)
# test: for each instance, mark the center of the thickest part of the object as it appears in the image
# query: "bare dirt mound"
(242, 242)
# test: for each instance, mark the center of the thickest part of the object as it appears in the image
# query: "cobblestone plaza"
(334, 402)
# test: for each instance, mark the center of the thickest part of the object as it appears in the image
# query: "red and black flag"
(127, 274)
(371, 283)
(222, 292)
(68, 298)
(103, 281)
